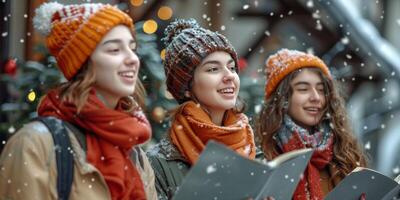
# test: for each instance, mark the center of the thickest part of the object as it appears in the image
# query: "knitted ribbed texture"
(285, 61)
(187, 44)
(76, 30)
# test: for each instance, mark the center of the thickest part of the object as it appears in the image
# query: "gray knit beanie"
(187, 44)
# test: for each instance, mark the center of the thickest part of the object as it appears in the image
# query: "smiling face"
(216, 83)
(116, 65)
(307, 102)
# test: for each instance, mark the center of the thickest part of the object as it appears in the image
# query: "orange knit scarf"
(192, 128)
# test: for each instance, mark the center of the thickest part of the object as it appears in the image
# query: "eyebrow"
(306, 83)
(216, 62)
(117, 41)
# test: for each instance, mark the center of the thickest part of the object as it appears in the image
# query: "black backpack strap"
(64, 157)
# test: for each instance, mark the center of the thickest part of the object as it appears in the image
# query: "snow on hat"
(187, 44)
(73, 31)
(285, 61)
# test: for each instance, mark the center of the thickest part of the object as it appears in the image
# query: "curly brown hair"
(347, 153)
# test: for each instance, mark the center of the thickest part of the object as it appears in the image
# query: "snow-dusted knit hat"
(73, 31)
(285, 61)
(187, 44)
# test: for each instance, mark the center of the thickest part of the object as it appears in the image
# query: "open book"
(363, 180)
(221, 173)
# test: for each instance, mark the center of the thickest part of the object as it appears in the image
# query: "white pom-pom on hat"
(43, 16)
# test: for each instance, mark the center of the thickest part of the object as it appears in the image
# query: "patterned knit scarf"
(192, 128)
(291, 137)
(110, 136)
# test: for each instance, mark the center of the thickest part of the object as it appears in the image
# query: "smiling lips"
(128, 76)
(312, 110)
(228, 92)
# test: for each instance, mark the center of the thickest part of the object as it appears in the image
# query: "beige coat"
(28, 169)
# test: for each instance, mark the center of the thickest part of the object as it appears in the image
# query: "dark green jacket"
(170, 167)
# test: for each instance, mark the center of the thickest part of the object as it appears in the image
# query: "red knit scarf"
(110, 136)
(292, 137)
(192, 128)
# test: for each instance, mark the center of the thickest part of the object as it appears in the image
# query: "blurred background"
(359, 40)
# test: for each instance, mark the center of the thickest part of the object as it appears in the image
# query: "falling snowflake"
(4, 34)
(345, 40)
(398, 22)
(245, 7)
(204, 16)
(223, 28)
(316, 15)
(310, 50)
(211, 169)
(318, 26)
(257, 108)
(367, 145)
(310, 3)
(11, 129)
(396, 170)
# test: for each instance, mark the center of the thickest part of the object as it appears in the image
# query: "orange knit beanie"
(73, 31)
(285, 61)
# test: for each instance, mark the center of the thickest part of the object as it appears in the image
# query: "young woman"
(304, 110)
(95, 50)
(202, 75)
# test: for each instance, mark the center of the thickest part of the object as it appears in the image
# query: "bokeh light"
(164, 13)
(150, 26)
(136, 2)
(32, 96)
(162, 54)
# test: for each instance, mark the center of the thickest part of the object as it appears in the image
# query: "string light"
(164, 13)
(162, 54)
(136, 2)
(32, 96)
(150, 26)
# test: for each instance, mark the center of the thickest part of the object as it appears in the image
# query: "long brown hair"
(347, 154)
(77, 90)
